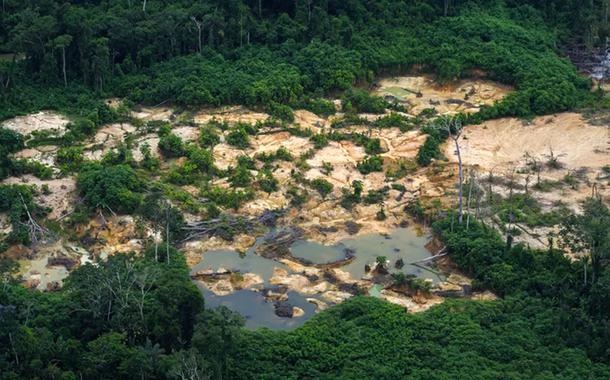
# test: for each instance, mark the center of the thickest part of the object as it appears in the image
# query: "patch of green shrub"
(322, 186)
(370, 164)
(117, 187)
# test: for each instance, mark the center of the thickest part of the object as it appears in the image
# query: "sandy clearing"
(107, 138)
(230, 115)
(41, 121)
(503, 142)
(310, 120)
(187, 133)
(44, 154)
(153, 113)
(269, 143)
(62, 193)
(421, 92)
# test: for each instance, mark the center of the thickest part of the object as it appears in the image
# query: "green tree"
(62, 42)
(589, 232)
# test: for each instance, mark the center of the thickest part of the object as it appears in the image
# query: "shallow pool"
(407, 244)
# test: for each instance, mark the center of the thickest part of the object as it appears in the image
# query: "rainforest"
(305, 189)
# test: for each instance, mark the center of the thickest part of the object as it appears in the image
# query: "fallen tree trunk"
(229, 225)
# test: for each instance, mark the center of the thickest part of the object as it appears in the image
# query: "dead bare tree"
(454, 129)
(35, 230)
(528, 179)
(472, 181)
(490, 182)
(188, 367)
(144, 283)
(511, 214)
(553, 159)
(446, 4)
(534, 164)
(199, 26)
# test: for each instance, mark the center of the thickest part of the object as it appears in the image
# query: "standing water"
(404, 244)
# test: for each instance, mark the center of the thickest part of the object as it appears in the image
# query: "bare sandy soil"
(45, 154)
(107, 138)
(41, 121)
(229, 115)
(323, 220)
(60, 198)
(421, 92)
(504, 142)
(153, 113)
(500, 147)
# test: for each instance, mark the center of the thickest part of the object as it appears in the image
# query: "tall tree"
(589, 232)
(62, 42)
(453, 127)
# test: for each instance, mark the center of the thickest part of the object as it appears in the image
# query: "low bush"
(370, 164)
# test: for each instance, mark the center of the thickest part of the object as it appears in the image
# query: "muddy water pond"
(257, 311)
(406, 244)
(403, 243)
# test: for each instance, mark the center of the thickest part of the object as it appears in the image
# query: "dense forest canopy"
(140, 316)
(195, 53)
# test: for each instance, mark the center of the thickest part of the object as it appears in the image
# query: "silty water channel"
(408, 244)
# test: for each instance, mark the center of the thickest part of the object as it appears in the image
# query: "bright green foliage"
(319, 106)
(171, 145)
(373, 146)
(10, 142)
(149, 161)
(359, 339)
(322, 186)
(376, 196)
(241, 175)
(185, 174)
(362, 101)
(201, 158)
(281, 112)
(370, 164)
(140, 317)
(283, 53)
(115, 187)
(226, 197)
(319, 140)
(238, 137)
(281, 154)
(79, 129)
(121, 154)
(267, 182)
(208, 137)
(26, 166)
(431, 148)
(69, 158)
